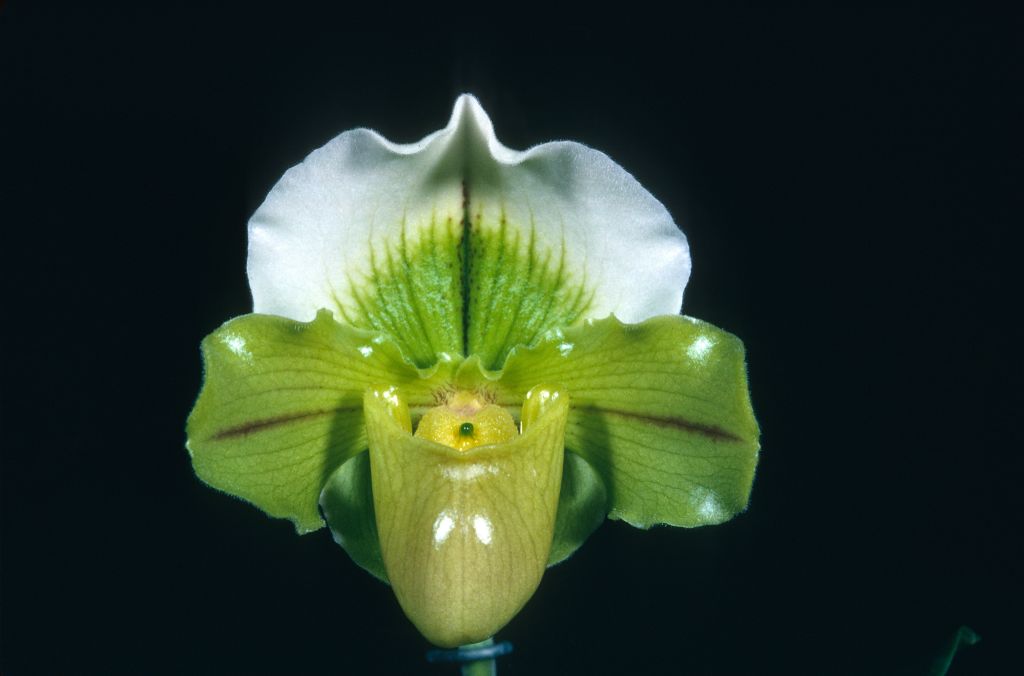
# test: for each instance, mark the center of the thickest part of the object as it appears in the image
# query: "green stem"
(480, 667)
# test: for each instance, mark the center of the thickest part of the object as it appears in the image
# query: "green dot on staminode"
(466, 429)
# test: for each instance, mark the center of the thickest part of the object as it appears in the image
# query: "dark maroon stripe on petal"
(674, 422)
(270, 423)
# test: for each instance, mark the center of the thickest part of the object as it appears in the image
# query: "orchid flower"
(467, 357)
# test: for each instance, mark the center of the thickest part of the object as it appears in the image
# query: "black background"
(845, 182)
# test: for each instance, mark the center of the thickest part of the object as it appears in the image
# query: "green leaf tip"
(964, 636)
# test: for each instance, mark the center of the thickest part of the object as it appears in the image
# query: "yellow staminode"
(467, 421)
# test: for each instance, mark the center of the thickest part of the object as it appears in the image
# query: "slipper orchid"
(467, 357)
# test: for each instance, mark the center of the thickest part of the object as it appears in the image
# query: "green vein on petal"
(413, 290)
(281, 407)
(459, 245)
(660, 409)
(518, 287)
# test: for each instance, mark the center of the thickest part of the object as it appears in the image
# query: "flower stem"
(484, 667)
(477, 659)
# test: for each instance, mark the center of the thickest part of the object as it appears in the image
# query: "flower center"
(466, 421)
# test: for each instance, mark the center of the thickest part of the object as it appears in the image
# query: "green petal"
(465, 535)
(282, 407)
(347, 501)
(660, 409)
(582, 505)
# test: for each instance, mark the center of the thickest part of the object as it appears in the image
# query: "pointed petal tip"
(468, 110)
(469, 118)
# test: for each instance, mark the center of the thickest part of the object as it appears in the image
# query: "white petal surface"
(313, 234)
(632, 253)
